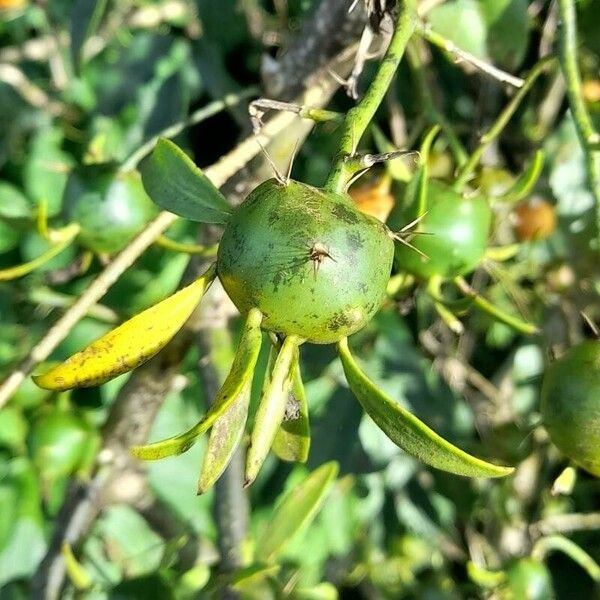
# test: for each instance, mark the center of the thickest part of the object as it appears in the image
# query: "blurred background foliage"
(83, 85)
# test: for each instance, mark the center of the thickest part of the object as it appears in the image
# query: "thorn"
(292, 158)
(278, 175)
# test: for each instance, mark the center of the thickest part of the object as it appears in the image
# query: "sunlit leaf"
(408, 432)
(13, 204)
(298, 507)
(271, 409)
(225, 436)
(130, 344)
(176, 184)
(234, 386)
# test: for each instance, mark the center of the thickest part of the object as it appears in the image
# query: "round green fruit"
(314, 265)
(570, 404)
(528, 579)
(110, 207)
(456, 231)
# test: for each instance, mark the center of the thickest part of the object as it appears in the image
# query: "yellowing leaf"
(225, 436)
(239, 378)
(271, 409)
(130, 344)
(292, 441)
(408, 432)
(298, 507)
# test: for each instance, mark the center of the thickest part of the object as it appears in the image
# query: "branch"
(218, 173)
(462, 55)
(359, 117)
(133, 412)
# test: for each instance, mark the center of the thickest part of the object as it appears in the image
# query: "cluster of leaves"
(361, 519)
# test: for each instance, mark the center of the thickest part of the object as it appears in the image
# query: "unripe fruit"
(570, 404)
(534, 220)
(110, 207)
(314, 265)
(456, 231)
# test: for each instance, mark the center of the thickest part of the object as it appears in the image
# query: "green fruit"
(528, 579)
(570, 404)
(111, 207)
(314, 265)
(58, 443)
(456, 231)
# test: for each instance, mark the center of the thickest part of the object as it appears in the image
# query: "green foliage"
(86, 144)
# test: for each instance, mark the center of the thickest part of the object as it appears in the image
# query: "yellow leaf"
(130, 344)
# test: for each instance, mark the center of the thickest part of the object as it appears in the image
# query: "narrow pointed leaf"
(408, 432)
(298, 507)
(240, 374)
(271, 408)
(292, 441)
(225, 436)
(130, 344)
(525, 183)
(176, 184)
(69, 234)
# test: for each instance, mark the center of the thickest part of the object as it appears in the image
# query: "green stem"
(557, 542)
(495, 312)
(358, 118)
(424, 171)
(588, 136)
(500, 123)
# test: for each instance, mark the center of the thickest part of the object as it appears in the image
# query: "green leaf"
(46, 170)
(271, 408)
(292, 441)
(408, 432)
(176, 184)
(234, 386)
(13, 204)
(507, 31)
(225, 436)
(461, 22)
(298, 507)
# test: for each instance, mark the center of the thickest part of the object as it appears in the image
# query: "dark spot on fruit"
(339, 320)
(355, 240)
(364, 288)
(342, 212)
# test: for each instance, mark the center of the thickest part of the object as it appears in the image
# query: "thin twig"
(566, 523)
(498, 126)
(462, 55)
(358, 118)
